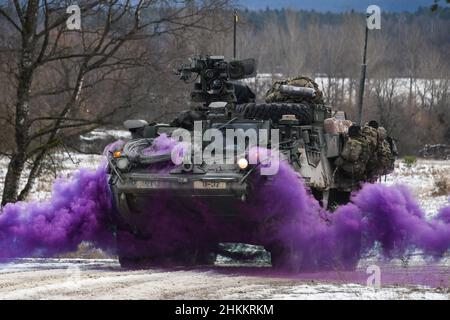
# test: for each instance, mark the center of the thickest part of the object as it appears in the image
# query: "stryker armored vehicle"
(157, 200)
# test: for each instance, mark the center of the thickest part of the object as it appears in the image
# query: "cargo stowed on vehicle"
(146, 183)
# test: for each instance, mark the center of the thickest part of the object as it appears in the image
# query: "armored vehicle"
(177, 212)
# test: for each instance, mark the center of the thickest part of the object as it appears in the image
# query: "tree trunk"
(350, 92)
(18, 159)
(410, 91)
(34, 173)
(25, 78)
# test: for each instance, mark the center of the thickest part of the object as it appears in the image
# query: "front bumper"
(181, 185)
(135, 192)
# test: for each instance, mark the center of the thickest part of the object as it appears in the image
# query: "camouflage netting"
(274, 95)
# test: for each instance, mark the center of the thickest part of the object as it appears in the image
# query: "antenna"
(235, 20)
(362, 80)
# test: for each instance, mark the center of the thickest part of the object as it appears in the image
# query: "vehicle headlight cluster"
(122, 163)
(242, 163)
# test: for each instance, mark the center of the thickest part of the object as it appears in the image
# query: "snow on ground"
(99, 133)
(64, 166)
(421, 178)
(423, 89)
(228, 279)
(103, 279)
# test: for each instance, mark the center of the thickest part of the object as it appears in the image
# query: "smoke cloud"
(387, 219)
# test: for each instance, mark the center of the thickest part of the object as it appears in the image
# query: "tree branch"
(10, 20)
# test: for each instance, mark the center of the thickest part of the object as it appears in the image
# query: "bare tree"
(57, 72)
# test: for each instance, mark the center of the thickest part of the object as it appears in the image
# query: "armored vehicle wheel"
(163, 261)
(274, 111)
(134, 263)
(139, 253)
(337, 198)
(286, 259)
(331, 199)
(203, 258)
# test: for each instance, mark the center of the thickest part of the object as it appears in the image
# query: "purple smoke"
(79, 210)
(378, 217)
(392, 217)
(161, 145)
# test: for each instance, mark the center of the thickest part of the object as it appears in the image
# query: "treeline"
(408, 66)
(332, 43)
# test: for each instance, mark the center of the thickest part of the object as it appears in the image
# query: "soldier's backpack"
(353, 158)
(274, 94)
(386, 158)
(371, 134)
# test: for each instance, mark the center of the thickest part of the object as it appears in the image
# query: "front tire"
(286, 259)
(137, 252)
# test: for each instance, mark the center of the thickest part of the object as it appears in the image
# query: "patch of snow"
(355, 291)
(104, 133)
(420, 179)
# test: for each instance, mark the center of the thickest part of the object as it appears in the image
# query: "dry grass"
(87, 251)
(441, 184)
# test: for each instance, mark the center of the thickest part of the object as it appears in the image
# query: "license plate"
(150, 184)
(206, 184)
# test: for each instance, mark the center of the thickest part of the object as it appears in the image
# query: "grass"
(410, 161)
(441, 184)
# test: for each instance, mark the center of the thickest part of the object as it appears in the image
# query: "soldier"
(354, 157)
(386, 153)
(370, 132)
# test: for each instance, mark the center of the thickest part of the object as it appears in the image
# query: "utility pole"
(235, 20)
(362, 80)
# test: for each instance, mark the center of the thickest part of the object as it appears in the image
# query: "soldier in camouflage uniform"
(370, 132)
(275, 95)
(382, 157)
(367, 153)
(386, 154)
(354, 157)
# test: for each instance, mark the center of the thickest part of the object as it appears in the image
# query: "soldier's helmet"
(354, 130)
(374, 124)
(295, 90)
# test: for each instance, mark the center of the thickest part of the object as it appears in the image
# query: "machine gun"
(214, 75)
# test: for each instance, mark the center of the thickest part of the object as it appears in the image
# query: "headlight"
(242, 163)
(122, 163)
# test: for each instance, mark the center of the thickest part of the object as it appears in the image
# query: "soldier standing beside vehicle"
(386, 152)
(354, 157)
(370, 132)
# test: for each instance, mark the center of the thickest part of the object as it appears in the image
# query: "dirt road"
(103, 279)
